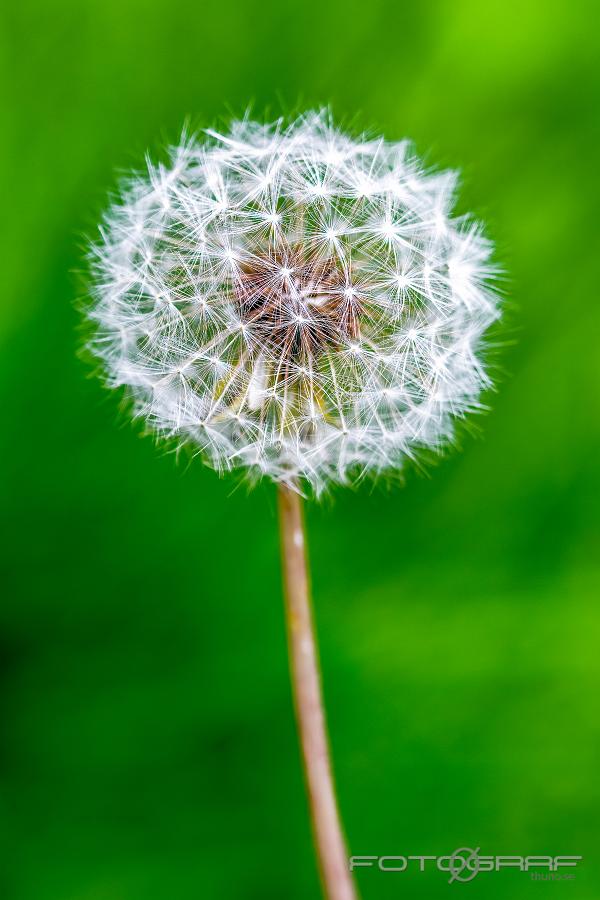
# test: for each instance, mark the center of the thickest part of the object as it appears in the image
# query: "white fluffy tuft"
(294, 301)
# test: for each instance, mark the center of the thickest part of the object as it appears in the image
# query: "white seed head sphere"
(291, 300)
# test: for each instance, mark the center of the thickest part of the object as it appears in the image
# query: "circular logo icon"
(463, 865)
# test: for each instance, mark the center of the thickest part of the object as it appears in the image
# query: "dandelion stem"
(308, 701)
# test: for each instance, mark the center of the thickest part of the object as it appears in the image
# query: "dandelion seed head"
(294, 301)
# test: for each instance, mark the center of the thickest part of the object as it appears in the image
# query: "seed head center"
(296, 305)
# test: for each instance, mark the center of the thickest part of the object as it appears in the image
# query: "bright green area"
(147, 740)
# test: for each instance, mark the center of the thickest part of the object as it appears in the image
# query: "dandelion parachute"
(293, 300)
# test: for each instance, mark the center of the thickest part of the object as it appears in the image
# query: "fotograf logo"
(465, 863)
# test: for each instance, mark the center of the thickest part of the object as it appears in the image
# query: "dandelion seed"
(273, 249)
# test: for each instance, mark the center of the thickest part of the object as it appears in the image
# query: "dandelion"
(302, 305)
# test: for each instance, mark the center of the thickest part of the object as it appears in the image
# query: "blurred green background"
(148, 746)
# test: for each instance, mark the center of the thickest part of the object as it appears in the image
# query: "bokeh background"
(148, 745)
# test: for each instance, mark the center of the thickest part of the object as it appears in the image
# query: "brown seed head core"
(297, 304)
